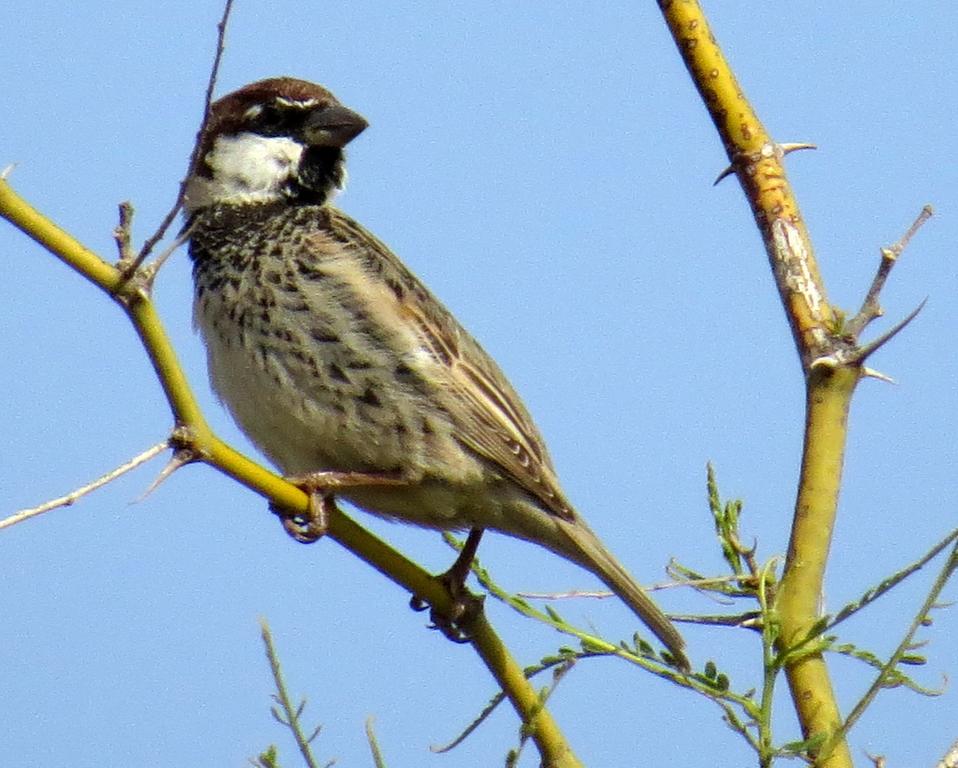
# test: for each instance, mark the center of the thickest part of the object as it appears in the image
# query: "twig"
(603, 594)
(194, 157)
(903, 647)
(558, 673)
(151, 270)
(73, 496)
(123, 234)
(597, 594)
(374, 744)
(565, 656)
(889, 583)
(871, 308)
(291, 714)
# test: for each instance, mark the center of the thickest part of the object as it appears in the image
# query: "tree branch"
(75, 495)
(153, 239)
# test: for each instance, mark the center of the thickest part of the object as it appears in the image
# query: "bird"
(337, 361)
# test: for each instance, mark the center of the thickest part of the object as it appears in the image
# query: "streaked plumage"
(331, 355)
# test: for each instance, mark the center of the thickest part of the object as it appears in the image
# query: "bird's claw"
(309, 526)
(455, 623)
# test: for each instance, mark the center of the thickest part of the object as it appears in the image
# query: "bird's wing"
(490, 417)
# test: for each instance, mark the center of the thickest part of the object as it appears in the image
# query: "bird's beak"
(333, 126)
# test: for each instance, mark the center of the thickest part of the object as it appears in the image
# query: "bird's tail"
(591, 554)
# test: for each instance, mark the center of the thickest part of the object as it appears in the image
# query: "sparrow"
(339, 364)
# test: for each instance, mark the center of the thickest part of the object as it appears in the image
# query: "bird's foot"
(311, 525)
(455, 623)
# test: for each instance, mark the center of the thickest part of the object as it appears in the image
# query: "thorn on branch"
(748, 620)
(769, 150)
(181, 440)
(180, 458)
(873, 374)
(863, 352)
(728, 171)
(830, 362)
(795, 147)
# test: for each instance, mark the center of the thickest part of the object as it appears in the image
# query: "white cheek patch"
(252, 163)
(246, 167)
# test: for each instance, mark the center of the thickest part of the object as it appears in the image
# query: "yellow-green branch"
(195, 435)
(757, 161)
(826, 426)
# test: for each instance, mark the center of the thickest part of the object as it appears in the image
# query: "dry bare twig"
(73, 496)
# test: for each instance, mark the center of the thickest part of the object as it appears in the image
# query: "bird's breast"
(308, 350)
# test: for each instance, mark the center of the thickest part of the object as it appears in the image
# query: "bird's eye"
(272, 119)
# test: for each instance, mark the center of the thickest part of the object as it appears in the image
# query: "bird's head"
(273, 140)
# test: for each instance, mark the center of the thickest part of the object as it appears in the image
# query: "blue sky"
(547, 171)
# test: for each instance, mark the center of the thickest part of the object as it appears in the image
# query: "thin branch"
(564, 658)
(558, 673)
(770, 666)
(194, 157)
(889, 583)
(904, 646)
(291, 714)
(604, 594)
(72, 497)
(123, 233)
(374, 744)
(871, 308)
(152, 269)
